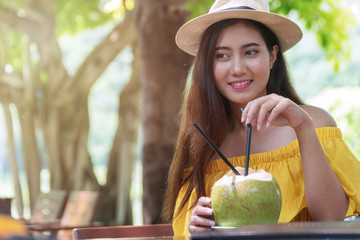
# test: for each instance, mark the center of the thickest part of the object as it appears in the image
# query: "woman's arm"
(325, 197)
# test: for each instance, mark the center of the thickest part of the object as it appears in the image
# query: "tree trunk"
(164, 70)
(129, 124)
(13, 160)
(124, 151)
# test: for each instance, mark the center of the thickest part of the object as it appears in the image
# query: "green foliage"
(311, 72)
(331, 21)
(13, 41)
(74, 15)
(44, 77)
(199, 7)
(77, 15)
(71, 17)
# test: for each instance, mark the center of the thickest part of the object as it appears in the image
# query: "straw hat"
(189, 35)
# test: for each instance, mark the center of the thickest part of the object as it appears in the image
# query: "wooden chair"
(80, 210)
(49, 207)
(152, 230)
(5, 206)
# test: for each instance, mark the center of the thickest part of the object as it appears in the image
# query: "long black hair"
(205, 105)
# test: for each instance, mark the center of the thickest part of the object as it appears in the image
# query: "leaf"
(78, 15)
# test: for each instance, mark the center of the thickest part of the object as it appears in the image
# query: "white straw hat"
(190, 34)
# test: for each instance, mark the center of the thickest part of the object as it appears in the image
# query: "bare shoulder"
(320, 116)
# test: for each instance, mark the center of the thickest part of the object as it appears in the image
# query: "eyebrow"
(243, 46)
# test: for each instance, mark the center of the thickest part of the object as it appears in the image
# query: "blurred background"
(90, 93)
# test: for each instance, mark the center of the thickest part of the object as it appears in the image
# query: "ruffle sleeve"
(345, 166)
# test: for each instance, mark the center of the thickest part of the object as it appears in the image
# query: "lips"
(240, 84)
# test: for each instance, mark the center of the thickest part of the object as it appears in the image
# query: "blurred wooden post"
(164, 71)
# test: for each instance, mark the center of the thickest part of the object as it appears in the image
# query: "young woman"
(239, 63)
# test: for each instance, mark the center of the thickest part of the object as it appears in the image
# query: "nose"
(238, 66)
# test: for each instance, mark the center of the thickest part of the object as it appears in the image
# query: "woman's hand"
(275, 110)
(202, 217)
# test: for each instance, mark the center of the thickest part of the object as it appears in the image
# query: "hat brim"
(190, 34)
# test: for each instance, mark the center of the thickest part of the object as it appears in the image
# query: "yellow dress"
(285, 165)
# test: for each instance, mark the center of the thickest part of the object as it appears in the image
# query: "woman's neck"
(234, 122)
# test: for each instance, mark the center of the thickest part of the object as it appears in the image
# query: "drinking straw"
(248, 140)
(213, 146)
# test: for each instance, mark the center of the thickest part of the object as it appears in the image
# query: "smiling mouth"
(242, 83)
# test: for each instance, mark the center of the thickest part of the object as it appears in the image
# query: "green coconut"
(244, 200)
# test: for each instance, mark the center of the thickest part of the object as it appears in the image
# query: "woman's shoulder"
(320, 116)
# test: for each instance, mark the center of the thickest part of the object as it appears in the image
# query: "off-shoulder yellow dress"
(285, 165)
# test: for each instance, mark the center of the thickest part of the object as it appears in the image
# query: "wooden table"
(296, 230)
(151, 231)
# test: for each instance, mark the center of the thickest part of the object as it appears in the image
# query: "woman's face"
(242, 64)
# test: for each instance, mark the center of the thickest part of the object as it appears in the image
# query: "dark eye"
(221, 55)
(251, 52)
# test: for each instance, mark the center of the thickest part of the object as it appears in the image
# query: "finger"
(252, 110)
(193, 229)
(253, 123)
(202, 210)
(204, 201)
(201, 221)
(243, 114)
(277, 110)
(265, 111)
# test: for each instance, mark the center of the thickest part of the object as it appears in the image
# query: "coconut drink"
(243, 200)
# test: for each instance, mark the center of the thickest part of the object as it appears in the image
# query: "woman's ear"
(273, 55)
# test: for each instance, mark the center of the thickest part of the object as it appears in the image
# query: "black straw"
(247, 156)
(248, 140)
(213, 146)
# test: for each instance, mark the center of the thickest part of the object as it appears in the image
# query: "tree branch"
(23, 11)
(102, 55)
(24, 25)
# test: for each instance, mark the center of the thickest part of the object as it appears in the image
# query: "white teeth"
(240, 83)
